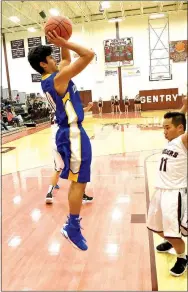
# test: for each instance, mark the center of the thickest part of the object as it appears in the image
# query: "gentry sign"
(159, 98)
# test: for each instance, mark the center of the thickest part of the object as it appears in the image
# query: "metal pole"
(6, 66)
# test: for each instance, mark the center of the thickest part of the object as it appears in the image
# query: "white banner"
(129, 72)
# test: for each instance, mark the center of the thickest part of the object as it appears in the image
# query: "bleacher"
(27, 112)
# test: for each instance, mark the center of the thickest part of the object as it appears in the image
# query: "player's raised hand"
(55, 39)
(90, 104)
(184, 100)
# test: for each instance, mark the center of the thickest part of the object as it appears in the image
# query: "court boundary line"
(123, 153)
(153, 268)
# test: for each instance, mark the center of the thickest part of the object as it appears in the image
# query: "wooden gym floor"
(121, 255)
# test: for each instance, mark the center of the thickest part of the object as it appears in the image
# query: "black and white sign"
(36, 77)
(16, 44)
(17, 49)
(34, 42)
(56, 54)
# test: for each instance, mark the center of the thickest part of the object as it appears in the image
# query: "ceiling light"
(31, 29)
(157, 15)
(115, 20)
(14, 19)
(105, 4)
(54, 12)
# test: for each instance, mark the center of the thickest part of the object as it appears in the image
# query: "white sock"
(182, 255)
(50, 189)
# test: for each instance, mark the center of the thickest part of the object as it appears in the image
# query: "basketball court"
(136, 51)
(121, 253)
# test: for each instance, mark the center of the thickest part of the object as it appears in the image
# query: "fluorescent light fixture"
(115, 20)
(157, 15)
(54, 12)
(14, 19)
(31, 29)
(105, 4)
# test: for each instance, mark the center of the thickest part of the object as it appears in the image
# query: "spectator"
(100, 105)
(3, 126)
(117, 104)
(12, 119)
(17, 98)
(112, 104)
(127, 103)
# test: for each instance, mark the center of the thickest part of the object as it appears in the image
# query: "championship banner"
(178, 51)
(118, 52)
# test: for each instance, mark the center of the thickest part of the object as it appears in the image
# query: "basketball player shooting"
(167, 214)
(58, 162)
(72, 142)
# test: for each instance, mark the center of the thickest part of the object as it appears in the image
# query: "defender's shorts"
(168, 212)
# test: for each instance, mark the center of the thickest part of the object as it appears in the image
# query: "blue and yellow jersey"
(68, 108)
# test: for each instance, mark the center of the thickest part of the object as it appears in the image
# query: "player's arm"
(184, 111)
(67, 72)
(184, 138)
(184, 107)
(65, 58)
(88, 107)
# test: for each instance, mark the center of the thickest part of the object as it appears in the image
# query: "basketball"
(61, 25)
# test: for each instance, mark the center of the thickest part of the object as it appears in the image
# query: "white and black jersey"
(172, 168)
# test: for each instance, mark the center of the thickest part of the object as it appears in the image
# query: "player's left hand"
(90, 104)
(184, 100)
(55, 39)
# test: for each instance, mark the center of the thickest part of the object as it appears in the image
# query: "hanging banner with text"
(17, 49)
(56, 53)
(129, 72)
(34, 42)
(36, 77)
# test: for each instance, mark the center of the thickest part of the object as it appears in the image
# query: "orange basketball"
(61, 25)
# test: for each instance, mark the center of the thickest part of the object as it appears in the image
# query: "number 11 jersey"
(172, 168)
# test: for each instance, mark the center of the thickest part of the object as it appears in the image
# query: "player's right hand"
(55, 39)
(184, 100)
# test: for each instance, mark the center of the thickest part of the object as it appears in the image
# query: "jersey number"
(163, 164)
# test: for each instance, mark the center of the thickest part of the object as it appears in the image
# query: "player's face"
(170, 131)
(50, 65)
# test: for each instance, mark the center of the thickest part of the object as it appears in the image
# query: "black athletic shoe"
(164, 247)
(180, 267)
(49, 198)
(86, 199)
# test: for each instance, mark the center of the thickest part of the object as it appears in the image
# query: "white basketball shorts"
(168, 213)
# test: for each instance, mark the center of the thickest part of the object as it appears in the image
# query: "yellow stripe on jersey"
(75, 138)
(66, 97)
(72, 176)
(45, 76)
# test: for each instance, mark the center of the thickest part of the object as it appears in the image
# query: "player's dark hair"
(177, 118)
(37, 55)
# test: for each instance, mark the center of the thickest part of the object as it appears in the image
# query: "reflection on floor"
(34, 252)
